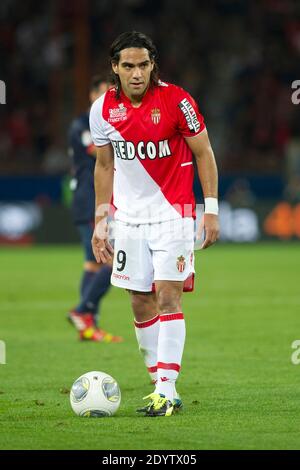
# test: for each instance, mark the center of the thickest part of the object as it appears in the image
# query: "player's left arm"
(208, 175)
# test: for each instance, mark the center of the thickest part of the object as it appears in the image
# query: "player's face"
(134, 70)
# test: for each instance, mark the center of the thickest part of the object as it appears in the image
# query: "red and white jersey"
(153, 178)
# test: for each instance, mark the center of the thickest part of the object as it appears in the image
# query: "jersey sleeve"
(97, 123)
(190, 121)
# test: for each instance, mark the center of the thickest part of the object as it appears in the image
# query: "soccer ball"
(95, 394)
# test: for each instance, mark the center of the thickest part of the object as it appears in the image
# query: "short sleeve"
(97, 123)
(190, 120)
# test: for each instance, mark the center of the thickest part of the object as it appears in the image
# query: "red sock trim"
(171, 316)
(152, 369)
(145, 324)
(168, 366)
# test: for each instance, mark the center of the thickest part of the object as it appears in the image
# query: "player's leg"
(95, 291)
(90, 268)
(172, 251)
(90, 306)
(95, 284)
(171, 338)
(146, 324)
(145, 310)
(133, 271)
(170, 343)
(148, 331)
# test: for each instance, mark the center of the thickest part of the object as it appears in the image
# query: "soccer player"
(146, 131)
(95, 280)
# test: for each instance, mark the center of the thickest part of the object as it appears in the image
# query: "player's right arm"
(103, 180)
(192, 128)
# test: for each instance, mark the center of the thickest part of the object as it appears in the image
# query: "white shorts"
(146, 253)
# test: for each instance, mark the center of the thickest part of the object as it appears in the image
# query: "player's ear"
(115, 68)
(152, 65)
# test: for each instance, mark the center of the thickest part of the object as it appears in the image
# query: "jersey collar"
(148, 95)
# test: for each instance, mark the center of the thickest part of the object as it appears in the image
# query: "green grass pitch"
(239, 386)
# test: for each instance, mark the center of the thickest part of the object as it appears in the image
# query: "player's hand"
(102, 249)
(210, 224)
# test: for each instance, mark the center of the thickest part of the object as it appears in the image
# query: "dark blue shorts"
(86, 233)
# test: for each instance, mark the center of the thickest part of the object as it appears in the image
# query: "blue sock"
(87, 278)
(96, 290)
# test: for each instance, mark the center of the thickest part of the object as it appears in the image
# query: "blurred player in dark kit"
(95, 281)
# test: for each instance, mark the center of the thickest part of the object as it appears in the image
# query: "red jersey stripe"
(152, 369)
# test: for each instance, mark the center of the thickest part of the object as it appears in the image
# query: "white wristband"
(211, 205)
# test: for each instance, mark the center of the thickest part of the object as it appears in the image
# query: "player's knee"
(168, 302)
(143, 305)
(136, 303)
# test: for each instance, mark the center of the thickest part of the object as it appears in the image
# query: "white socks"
(147, 338)
(161, 343)
(169, 352)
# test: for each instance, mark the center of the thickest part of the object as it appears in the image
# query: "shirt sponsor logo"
(118, 114)
(190, 115)
(123, 277)
(128, 150)
(155, 115)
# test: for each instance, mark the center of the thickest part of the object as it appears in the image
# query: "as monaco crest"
(180, 263)
(155, 115)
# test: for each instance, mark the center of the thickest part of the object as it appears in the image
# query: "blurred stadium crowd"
(238, 58)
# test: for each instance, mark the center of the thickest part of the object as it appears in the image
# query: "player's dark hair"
(133, 39)
(97, 80)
